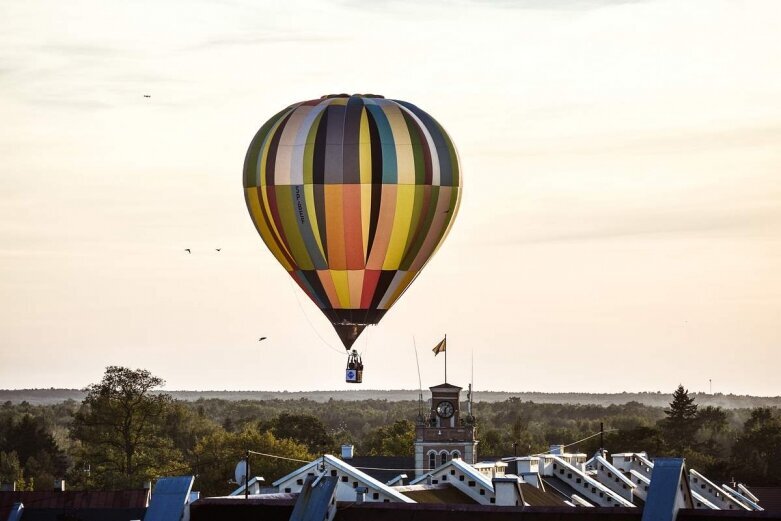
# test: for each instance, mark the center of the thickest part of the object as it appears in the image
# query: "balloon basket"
(353, 376)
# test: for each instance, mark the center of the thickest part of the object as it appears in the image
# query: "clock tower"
(444, 434)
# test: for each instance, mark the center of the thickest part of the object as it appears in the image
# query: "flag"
(440, 347)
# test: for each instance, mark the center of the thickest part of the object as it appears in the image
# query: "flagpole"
(445, 357)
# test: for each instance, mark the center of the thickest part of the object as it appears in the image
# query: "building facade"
(444, 434)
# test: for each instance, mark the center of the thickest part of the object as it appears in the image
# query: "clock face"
(445, 409)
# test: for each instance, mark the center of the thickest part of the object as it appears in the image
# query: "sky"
(620, 227)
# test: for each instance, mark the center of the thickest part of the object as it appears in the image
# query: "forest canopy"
(125, 431)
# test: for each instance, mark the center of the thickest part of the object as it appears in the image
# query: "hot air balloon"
(352, 195)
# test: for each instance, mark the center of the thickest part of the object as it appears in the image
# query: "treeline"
(654, 399)
(125, 432)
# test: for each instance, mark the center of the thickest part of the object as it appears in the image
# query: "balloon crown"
(343, 95)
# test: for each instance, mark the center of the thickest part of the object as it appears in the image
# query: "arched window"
(455, 455)
(432, 460)
(444, 457)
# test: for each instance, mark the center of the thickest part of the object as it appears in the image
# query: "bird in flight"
(187, 250)
(147, 96)
(261, 339)
(218, 249)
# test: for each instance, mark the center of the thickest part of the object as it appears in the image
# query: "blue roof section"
(169, 499)
(316, 501)
(16, 512)
(667, 480)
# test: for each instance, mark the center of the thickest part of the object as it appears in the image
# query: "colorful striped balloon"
(352, 195)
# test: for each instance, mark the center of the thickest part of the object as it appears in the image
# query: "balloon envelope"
(352, 195)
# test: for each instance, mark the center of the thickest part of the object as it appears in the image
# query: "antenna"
(471, 386)
(420, 383)
(246, 478)
(445, 357)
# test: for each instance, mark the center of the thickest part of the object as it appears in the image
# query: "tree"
(120, 427)
(41, 458)
(217, 454)
(681, 423)
(394, 440)
(185, 427)
(757, 451)
(302, 428)
(713, 435)
(634, 439)
(11, 470)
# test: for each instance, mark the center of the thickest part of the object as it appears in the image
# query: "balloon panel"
(352, 195)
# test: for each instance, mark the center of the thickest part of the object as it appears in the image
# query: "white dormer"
(350, 478)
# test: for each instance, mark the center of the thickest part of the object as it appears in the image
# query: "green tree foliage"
(181, 433)
(394, 440)
(681, 423)
(302, 428)
(185, 426)
(28, 438)
(629, 439)
(217, 454)
(11, 470)
(757, 451)
(121, 429)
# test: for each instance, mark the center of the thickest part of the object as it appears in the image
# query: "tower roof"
(445, 386)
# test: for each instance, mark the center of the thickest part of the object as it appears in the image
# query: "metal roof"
(441, 493)
(74, 499)
(169, 498)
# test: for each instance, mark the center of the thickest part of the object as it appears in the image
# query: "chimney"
(507, 491)
(557, 450)
(527, 465)
(59, 485)
(347, 452)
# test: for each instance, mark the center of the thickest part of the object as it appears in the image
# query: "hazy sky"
(620, 226)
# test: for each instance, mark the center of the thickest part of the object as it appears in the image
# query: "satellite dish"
(241, 471)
